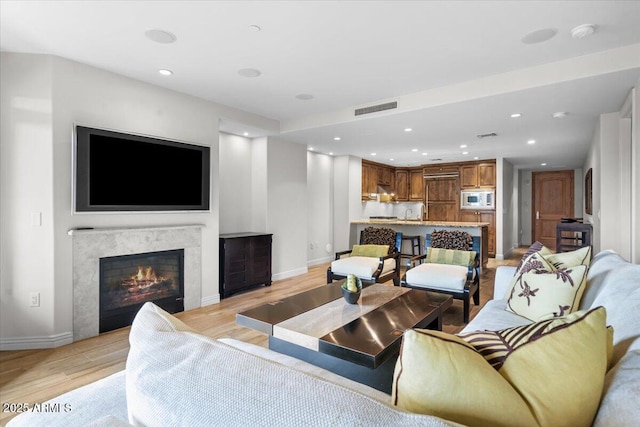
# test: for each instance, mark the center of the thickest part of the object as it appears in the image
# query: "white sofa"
(177, 377)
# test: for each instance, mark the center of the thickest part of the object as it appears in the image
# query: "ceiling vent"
(487, 135)
(376, 108)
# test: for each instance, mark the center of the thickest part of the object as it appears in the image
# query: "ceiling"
(455, 69)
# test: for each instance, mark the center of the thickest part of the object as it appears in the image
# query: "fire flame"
(147, 275)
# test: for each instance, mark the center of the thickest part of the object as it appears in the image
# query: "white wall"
(42, 98)
(235, 184)
(319, 208)
(287, 206)
(258, 191)
(507, 210)
(26, 190)
(635, 174)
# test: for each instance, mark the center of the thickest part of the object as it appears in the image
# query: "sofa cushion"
(494, 317)
(361, 266)
(535, 247)
(619, 406)
(178, 377)
(90, 403)
(370, 250)
(546, 373)
(438, 276)
(540, 291)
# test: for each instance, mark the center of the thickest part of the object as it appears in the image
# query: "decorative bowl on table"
(351, 289)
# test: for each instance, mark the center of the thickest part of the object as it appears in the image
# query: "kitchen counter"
(414, 227)
(418, 223)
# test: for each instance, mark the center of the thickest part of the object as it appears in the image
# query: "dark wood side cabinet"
(245, 261)
(572, 235)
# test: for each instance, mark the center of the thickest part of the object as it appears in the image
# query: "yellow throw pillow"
(541, 291)
(450, 256)
(560, 260)
(547, 373)
(375, 251)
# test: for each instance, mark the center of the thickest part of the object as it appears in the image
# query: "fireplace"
(128, 281)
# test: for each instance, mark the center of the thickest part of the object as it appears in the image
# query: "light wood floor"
(33, 376)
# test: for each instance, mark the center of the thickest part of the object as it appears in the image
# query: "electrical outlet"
(34, 299)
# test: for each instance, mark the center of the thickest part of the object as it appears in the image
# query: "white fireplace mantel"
(91, 244)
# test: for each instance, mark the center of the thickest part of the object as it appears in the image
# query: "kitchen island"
(414, 227)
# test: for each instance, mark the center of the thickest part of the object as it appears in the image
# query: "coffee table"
(358, 341)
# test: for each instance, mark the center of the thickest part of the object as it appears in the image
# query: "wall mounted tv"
(121, 172)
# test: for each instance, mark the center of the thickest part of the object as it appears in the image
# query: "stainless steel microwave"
(477, 199)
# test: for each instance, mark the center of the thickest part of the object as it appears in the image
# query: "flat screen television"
(122, 172)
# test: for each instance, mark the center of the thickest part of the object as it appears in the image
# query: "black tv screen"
(122, 172)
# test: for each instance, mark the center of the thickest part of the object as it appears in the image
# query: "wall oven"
(477, 199)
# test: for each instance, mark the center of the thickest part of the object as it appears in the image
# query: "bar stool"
(415, 246)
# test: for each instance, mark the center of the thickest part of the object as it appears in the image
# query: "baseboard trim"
(210, 300)
(290, 273)
(318, 261)
(35, 343)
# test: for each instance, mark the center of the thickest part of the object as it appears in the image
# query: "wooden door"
(442, 199)
(552, 200)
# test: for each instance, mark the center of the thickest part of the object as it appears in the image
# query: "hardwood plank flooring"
(34, 376)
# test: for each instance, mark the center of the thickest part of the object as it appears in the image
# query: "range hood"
(385, 189)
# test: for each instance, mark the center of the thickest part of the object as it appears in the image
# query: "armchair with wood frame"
(375, 260)
(450, 265)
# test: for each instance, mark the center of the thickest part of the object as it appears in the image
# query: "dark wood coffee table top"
(366, 333)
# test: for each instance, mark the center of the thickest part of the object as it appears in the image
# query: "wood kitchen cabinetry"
(416, 185)
(480, 175)
(402, 185)
(245, 261)
(489, 216)
(373, 175)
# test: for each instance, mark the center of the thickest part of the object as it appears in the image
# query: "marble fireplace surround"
(89, 245)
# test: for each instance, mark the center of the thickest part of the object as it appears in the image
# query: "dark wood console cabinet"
(245, 261)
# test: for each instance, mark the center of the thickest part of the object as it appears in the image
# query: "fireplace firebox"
(128, 281)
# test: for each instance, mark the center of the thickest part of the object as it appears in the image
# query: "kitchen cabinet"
(245, 261)
(489, 216)
(402, 185)
(369, 180)
(442, 199)
(416, 185)
(481, 175)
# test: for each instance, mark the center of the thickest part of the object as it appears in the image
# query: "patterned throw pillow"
(549, 373)
(379, 236)
(535, 247)
(560, 260)
(540, 291)
(459, 240)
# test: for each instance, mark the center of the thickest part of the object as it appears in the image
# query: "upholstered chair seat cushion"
(446, 277)
(361, 266)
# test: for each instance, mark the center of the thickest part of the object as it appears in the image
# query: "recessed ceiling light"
(559, 115)
(391, 160)
(246, 134)
(310, 148)
(516, 115)
(160, 36)
(255, 28)
(304, 96)
(249, 72)
(414, 150)
(539, 36)
(543, 164)
(463, 146)
(465, 152)
(408, 129)
(336, 138)
(531, 141)
(425, 153)
(331, 153)
(165, 72)
(582, 31)
(476, 158)
(373, 154)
